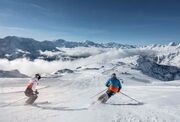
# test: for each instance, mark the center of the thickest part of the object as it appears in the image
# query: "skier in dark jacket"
(31, 90)
(114, 86)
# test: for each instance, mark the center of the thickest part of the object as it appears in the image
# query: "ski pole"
(130, 97)
(99, 93)
(13, 102)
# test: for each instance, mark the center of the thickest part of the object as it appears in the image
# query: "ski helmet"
(38, 76)
(113, 75)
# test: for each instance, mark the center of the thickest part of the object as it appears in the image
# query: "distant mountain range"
(12, 47)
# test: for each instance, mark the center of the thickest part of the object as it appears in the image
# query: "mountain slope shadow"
(60, 108)
(128, 104)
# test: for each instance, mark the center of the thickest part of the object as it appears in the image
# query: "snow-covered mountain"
(162, 72)
(166, 54)
(87, 43)
(13, 47)
(12, 74)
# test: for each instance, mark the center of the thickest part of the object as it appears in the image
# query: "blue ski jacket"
(114, 82)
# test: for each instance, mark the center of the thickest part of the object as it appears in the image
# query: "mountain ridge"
(11, 44)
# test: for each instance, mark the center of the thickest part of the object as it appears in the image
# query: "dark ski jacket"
(114, 83)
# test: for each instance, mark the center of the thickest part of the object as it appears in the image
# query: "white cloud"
(83, 51)
(49, 53)
(31, 67)
(98, 56)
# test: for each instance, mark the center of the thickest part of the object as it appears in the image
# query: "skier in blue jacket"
(114, 86)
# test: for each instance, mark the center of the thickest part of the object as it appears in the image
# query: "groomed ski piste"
(70, 99)
(69, 96)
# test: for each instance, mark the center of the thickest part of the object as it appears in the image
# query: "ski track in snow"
(69, 100)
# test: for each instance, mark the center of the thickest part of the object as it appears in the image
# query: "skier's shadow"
(60, 108)
(128, 104)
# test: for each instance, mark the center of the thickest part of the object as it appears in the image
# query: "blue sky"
(125, 21)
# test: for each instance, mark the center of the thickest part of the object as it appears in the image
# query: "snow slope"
(70, 100)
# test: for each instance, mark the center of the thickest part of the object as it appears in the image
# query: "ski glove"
(36, 92)
(122, 81)
(119, 90)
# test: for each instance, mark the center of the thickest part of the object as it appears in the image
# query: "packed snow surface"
(70, 99)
